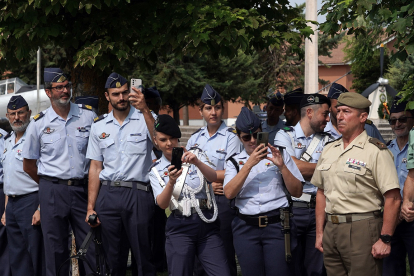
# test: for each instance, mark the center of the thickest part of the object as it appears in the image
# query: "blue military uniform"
(60, 146)
(403, 238)
(260, 248)
(192, 229)
(334, 92)
(4, 253)
(309, 260)
(25, 240)
(220, 146)
(124, 205)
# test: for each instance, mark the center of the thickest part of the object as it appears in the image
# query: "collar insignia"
(104, 135)
(48, 130)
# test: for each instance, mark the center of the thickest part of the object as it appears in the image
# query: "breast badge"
(48, 130)
(104, 135)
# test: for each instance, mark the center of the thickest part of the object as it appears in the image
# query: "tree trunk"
(186, 120)
(89, 82)
(176, 113)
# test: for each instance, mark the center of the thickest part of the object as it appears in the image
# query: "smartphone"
(137, 83)
(177, 154)
(262, 138)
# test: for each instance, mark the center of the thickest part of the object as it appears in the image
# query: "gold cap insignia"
(61, 79)
(118, 84)
(213, 102)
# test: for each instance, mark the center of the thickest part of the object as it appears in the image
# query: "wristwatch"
(386, 238)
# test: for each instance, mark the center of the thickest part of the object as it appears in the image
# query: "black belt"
(130, 184)
(259, 220)
(303, 204)
(69, 182)
(20, 196)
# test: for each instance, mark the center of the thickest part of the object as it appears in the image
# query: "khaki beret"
(354, 100)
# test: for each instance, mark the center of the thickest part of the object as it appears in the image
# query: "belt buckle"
(265, 221)
(335, 219)
(70, 182)
(117, 183)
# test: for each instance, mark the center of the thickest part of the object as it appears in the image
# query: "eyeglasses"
(60, 88)
(402, 120)
(248, 137)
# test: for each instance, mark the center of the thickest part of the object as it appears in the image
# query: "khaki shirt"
(354, 179)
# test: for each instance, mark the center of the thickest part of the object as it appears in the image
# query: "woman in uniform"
(255, 178)
(192, 229)
(219, 142)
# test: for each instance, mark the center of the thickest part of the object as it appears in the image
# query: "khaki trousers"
(347, 248)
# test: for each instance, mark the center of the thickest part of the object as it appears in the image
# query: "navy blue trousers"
(126, 217)
(187, 237)
(4, 254)
(62, 207)
(308, 260)
(402, 243)
(26, 252)
(261, 250)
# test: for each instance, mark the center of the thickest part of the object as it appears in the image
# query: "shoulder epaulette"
(8, 135)
(232, 156)
(197, 131)
(232, 130)
(377, 143)
(287, 128)
(389, 143)
(85, 106)
(332, 141)
(369, 122)
(97, 119)
(154, 164)
(38, 116)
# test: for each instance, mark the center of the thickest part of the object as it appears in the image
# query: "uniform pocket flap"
(106, 143)
(324, 167)
(50, 138)
(136, 139)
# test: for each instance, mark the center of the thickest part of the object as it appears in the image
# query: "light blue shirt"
(2, 135)
(262, 191)
(192, 179)
(272, 130)
(301, 143)
(400, 161)
(124, 150)
(60, 145)
(220, 146)
(371, 129)
(16, 181)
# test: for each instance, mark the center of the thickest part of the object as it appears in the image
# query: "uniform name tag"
(354, 167)
(135, 134)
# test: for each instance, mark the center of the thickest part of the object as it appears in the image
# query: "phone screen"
(262, 138)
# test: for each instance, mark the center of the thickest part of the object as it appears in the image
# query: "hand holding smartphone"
(137, 83)
(262, 138)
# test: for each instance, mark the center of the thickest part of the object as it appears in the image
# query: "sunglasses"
(402, 120)
(248, 137)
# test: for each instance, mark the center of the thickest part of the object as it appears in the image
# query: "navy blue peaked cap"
(16, 102)
(311, 99)
(398, 107)
(247, 121)
(54, 75)
(210, 96)
(293, 97)
(277, 99)
(88, 100)
(115, 80)
(151, 93)
(336, 90)
(167, 125)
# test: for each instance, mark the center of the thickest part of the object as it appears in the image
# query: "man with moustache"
(356, 179)
(332, 127)
(54, 157)
(401, 122)
(120, 147)
(304, 143)
(22, 214)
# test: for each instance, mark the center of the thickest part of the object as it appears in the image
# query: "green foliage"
(399, 72)
(364, 54)
(355, 15)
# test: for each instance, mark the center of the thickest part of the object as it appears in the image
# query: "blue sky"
(321, 19)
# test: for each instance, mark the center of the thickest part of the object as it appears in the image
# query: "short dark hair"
(48, 85)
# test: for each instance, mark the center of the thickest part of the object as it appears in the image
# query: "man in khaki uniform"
(356, 177)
